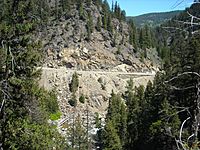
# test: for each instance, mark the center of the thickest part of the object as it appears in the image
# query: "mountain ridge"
(154, 18)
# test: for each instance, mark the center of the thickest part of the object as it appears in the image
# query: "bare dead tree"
(187, 26)
(196, 110)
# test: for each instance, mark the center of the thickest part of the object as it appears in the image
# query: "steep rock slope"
(69, 48)
(66, 43)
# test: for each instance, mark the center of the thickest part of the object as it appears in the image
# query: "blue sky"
(138, 7)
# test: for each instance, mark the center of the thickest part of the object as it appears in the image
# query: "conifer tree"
(132, 118)
(25, 107)
(123, 15)
(111, 139)
(74, 83)
(99, 23)
(132, 36)
(123, 125)
(106, 11)
(77, 134)
(104, 21)
(89, 26)
(81, 10)
(115, 122)
(98, 3)
(109, 24)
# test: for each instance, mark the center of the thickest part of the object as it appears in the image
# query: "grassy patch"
(55, 116)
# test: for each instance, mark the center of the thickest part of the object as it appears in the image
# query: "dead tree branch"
(182, 74)
(180, 133)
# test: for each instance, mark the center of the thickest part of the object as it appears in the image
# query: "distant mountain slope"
(154, 19)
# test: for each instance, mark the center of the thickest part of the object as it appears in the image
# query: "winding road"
(63, 69)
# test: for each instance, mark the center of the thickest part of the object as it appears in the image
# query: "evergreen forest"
(164, 115)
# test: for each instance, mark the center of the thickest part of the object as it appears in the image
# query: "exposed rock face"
(96, 86)
(103, 63)
(65, 43)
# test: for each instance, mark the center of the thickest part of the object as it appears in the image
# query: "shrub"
(97, 120)
(55, 116)
(73, 86)
(103, 87)
(100, 80)
(73, 101)
(82, 99)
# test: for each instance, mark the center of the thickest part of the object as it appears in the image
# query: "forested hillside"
(33, 33)
(165, 114)
(24, 106)
(154, 19)
(88, 36)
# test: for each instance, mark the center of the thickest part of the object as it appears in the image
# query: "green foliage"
(55, 116)
(106, 9)
(154, 19)
(97, 120)
(118, 50)
(103, 87)
(99, 24)
(145, 39)
(104, 21)
(51, 103)
(111, 139)
(73, 100)
(155, 127)
(81, 11)
(82, 99)
(73, 86)
(109, 24)
(118, 13)
(25, 107)
(132, 34)
(89, 26)
(66, 5)
(144, 120)
(114, 133)
(26, 135)
(77, 133)
(100, 80)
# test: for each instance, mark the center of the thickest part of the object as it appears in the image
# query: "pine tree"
(109, 24)
(123, 125)
(63, 5)
(105, 6)
(104, 21)
(73, 86)
(116, 119)
(80, 139)
(112, 8)
(81, 10)
(132, 36)
(106, 11)
(97, 3)
(145, 37)
(111, 139)
(132, 119)
(123, 15)
(57, 13)
(99, 23)
(90, 26)
(25, 107)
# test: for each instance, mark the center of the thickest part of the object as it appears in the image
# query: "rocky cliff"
(104, 62)
(65, 43)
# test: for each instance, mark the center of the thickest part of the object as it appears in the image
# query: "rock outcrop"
(97, 61)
